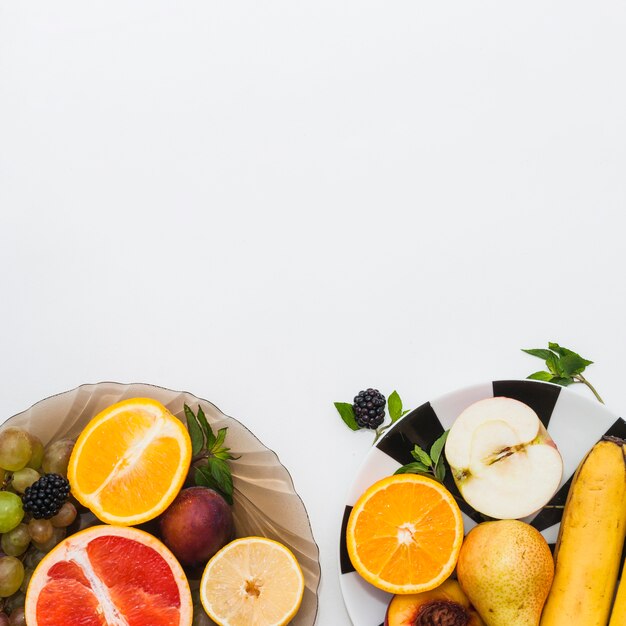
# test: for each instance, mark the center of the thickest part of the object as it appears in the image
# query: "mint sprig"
(427, 464)
(209, 454)
(563, 367)
(395, 411)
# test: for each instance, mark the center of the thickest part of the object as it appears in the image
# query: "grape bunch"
(25, 539)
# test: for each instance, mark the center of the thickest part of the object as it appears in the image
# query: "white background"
(275, 204)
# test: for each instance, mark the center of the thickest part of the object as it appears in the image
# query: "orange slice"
(109, 576)
(252, 581)
(130, 462)
(404, 534)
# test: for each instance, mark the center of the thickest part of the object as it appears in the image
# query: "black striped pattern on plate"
(574, 422)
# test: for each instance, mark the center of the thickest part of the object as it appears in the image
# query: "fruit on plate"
(506, 569)
(618, 612)
(130, 461)
(590, 541)
(109, 575)
(196, 525)
(504, 462)
(252, 580)
(404, 534)
(446, 604)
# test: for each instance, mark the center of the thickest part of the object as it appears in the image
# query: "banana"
(590, 541)
(618, 614)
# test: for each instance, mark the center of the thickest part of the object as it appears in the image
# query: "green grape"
(24, 478)
(57, 456)
(11, 511)
(65, 516)
(41, 530)
(16, 541)
(11, 575)
(15, 449)
(58, 534)
(36, 456)
(17, 617)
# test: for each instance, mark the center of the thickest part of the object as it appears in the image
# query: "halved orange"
(404, 534)
(252, 581)
(130, 461)
(109, 576)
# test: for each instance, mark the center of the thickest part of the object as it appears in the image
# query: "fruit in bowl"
(128, 465)
(196, 525)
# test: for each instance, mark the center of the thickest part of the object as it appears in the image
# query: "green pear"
(506, 569)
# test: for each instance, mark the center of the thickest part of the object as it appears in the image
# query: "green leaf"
(206, 428)
(573, 364)
(555, 347)
(414, 468)
(202, 477)
(564, 382)
(347, 414)
(554, 365)
(542, 353)
(222, 476)
(420, 455)
(394, 404)
(219, 440)
(546, 376)
(440, 470)
(405, 412)
(437, 448)
(195, 432)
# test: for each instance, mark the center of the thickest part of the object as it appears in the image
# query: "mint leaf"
(437, 448)
(347, 414)
(564, 382)
(206, 429)
(219, 440)
(545, 376)
(553, 364)
(221, 474)
(202, 477)
(420, 455)
(394, 404)
(573, 364)
(414, 468)
(555, 347)
(195, 432)
(566, 367)
(542, 353)
(440, 470)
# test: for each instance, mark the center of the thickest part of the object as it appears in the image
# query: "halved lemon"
(252, 581)
(130, 461)
(404, 534)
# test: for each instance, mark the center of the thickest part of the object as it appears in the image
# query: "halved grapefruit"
(109, 576)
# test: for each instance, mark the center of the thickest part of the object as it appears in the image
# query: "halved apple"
(504, 462)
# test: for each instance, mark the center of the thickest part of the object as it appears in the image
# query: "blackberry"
(369, 408)
(45, 497)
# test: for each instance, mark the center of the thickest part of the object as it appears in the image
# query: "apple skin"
(197, 524)
(446, 604)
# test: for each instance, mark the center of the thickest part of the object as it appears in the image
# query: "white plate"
(574, 422)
